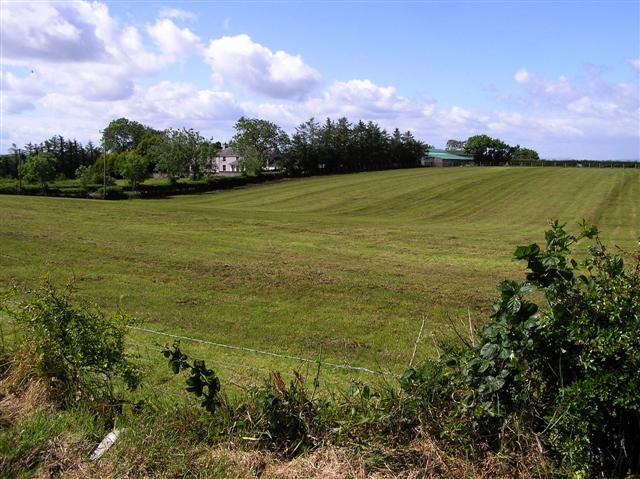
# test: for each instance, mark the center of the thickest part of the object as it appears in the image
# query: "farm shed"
(440, 158)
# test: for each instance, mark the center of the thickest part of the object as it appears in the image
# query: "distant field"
(343, 266)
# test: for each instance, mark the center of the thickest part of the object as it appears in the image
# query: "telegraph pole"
(104, 171)
(19, 171)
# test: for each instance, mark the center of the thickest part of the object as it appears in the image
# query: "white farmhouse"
(226, 161)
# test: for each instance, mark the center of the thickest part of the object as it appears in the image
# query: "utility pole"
(104, 171)
(19, 171)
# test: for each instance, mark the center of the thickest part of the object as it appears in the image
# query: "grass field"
(343, 266)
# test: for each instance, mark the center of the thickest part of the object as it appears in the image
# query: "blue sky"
(561, 77)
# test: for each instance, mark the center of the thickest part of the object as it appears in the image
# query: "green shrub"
(12, 188)
(80, 351)
(572, 369)
(428, 389)
(85, 174)
(134, 168)
(39, 168)
(109, 193)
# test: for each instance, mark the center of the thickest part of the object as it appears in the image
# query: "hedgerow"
(572, 368)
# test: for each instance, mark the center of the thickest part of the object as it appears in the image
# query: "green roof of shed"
(446, 155)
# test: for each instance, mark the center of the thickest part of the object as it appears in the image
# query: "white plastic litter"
(104, 445)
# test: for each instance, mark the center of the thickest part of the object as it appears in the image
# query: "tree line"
(340, 146)
(134, 151)
(68, 156)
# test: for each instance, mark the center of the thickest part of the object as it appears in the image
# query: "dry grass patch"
(425, 459)
(22, 393)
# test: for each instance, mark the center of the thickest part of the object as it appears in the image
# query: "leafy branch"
(202, 381)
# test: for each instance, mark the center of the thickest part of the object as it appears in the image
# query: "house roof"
(447, 155)
(227, 152)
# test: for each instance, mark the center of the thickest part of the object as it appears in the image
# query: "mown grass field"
(344, 266)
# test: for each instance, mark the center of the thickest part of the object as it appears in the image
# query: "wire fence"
(243, 349)
(227, 356)
(234, 365)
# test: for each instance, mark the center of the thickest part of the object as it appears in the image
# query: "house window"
(224, 167)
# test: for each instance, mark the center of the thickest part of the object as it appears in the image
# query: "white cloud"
(15, 103)
(77, 47)
(459, 115)
(355, 99)
(162, 105)
(176, 13)
(54, 33)
(521, 76)
(362, 98)
(559, 117)
(173, 41)
(586, 105)
(183, 101)
(19, 93)
(258, 69)
(635, 63)
(546, 90)
(29, 85)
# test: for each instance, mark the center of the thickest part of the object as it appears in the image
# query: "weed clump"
(79, 351)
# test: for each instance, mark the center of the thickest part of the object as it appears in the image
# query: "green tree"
(148, 142)
(203, 163)
(181, 153)
(412, 150)
(10, 164)
(113, 162)
(303, 154)
(133, 168)
(487, 150)
(69, 154)
(197, 151)
(85, 174)
(124, 135)
(256, 141)
(166, 157)
(39, 168)
(523, 154)
(455, 146)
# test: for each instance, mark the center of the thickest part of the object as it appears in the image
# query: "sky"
(562, 77)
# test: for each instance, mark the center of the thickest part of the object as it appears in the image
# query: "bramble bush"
(572, 368)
